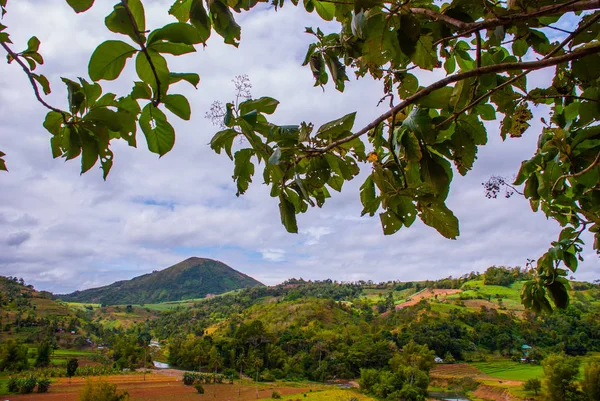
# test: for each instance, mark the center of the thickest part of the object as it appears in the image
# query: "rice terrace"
(353, 200)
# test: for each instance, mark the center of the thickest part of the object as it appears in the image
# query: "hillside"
(192, 278)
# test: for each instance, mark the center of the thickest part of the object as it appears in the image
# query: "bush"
(189, 378)
(267, 376)
(12, 385)
(199, 388)
(26, 384)
(533, 385)
(43, 385)
(275, 395)
(101, 391)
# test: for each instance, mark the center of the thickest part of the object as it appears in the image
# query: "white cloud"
(151, 213)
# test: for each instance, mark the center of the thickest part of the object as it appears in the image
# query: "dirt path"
(429, 293)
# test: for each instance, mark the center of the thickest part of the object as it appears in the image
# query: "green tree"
(591, 381)
(13, 356)
(560, 372)
(72, 365)
(43, 354)
(534, 385)
(483, 52)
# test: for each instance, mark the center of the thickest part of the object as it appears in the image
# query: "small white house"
(437, 359)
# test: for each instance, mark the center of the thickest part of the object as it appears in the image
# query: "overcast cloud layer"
(61, 231)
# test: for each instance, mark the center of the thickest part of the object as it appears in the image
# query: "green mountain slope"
(192, 278)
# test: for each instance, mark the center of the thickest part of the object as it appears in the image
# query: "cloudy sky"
(61, 231)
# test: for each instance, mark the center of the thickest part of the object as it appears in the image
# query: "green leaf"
(146, 71)
(243, 170)
(181, 10)
(424, 55)
(89, 154)
(54, 122)
(223, 140)
(176, 32)
(190, 77)
(265, 105)
(412, 148)
(178, 105)
(119, 20)
(418, 120)
(437, 99)
(486, 111)
(43, 81)
(368, 197)
(390, 222)
(176, 49)
(336, 128)
(33, 45)
(80, 5)
(104, 116)
(559, 294)
(288, 214)
(108, 60)
(224, 23)
(434, 174)
(160, 135)
(141, 90)
(435, 214)
(325, 10)
(199, 18)
(520, 47)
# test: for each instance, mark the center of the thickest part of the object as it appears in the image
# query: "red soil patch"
(456, 370)
(425, 295)
(158, 387)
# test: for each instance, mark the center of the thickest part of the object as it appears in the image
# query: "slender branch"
(141, 41)
(503, 67)
(533, 98)
(582, 172)
(521, 75)
(441, 17)
(31, 79)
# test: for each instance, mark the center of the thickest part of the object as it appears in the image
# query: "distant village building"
(525, 349)
(437, 359)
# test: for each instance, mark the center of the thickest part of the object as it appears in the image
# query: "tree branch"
(441, 17)
(31, 79)
(503, 67)
(141, 41)
(534, 98)
(524, 73)
(582, 172)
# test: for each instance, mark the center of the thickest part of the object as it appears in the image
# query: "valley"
(468, 337)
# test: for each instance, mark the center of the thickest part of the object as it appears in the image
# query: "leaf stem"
(141, 42)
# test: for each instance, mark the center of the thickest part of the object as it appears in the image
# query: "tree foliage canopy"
(484, 50)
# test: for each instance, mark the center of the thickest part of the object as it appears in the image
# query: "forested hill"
(189, 279)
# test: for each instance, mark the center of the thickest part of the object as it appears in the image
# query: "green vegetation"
(509, 370)
(99, 390)
(190, 279)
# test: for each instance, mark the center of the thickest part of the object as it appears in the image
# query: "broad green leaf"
(43, 81)
(89, 154)
(160, 135)
(80, 5)
(224, 140)
(424, 55)
(146, 72)
(435, 214)
(176, 32)
(141, 90)
(325, 9)
(178, 105)
(104, 116)
(411, 146)
(76, 96)
(288, 214)
(54, 122)
(200, 19)
(33, 45)
(434, 174)
(437, 99)
(390, 222)
(243, 170)
(224, 23)
(558, 293)
(266, 105)
(190, 77)
(418, 120)
(176, 49)
(336, 128)
(520, 47)
(368, 197)
(181, 10)
(108, 60)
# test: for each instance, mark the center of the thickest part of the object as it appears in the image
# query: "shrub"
(43, 385)
(275, 395)
(189, 378)
(533, 385)
(26, 384)
(12, 385)
(199, 388)
(101, 391)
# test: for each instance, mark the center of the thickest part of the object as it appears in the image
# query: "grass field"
(3, 382)
(330, 395)
(509, 370)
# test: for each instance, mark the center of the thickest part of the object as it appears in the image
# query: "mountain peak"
(191, 278)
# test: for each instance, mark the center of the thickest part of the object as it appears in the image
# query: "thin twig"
(533, 98)
(441, 17)
(31, 79)
(582, 172)
(141, 41)
(521, 75)
(503, 67)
